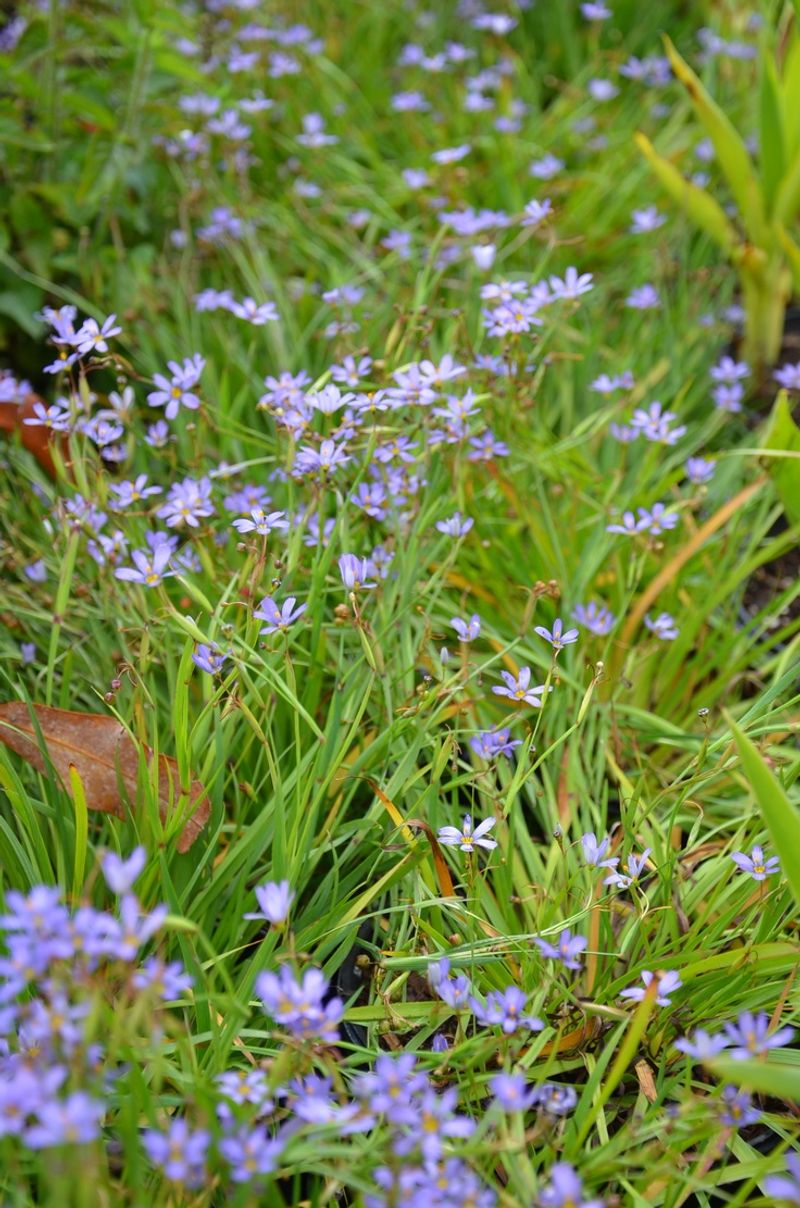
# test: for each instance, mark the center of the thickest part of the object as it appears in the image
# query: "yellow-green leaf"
(783, 436)
(790, 88)
(787, 200)
(773, 139)
(732, 155)
(782, 818)
(776, 1078)
(792, 251)
(699, 206)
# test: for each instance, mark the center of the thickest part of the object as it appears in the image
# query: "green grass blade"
(781, 816)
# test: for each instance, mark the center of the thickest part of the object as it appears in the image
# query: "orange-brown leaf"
(104, 756)
(36, 438)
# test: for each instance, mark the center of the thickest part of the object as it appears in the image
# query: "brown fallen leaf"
(103, 754)
(36, 438)
(646, 1081)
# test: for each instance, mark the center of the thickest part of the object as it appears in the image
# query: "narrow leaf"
(776, 1078)
(790, 88)
(783, 436)
(103, 756)
(772, 143)
(787, 201)
(732, 154)
(699, 206)
(792, 251)
(782, 818)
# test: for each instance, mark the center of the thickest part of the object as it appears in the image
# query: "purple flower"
(559, 638)
(565, 1189)
(436, 1122)
(136, 926)
(158, 434)
(644, 297)
(466, 838)
(455, 991)
(74, 1120)
(27, 652)
(251, 1152)
(566, 950)
(593, 11)
(595, 617)
(572, 285)
(700, 1045)
(634, 867)
(356, 572)
(663, 626)
(489, 744)
(467, 630)
(737, 1109)
(655, 424)
(535, 212)
(246, 1086)
(178, 391)
(602, 90)
(262, 522)
(131, 492)
(36, 571)
(187, 503)
(728, 397)
(788, 376)
(371, 497)
(120, 874)
(750, 1036)
(547, 167)
(729, 371)
(505, 1007)
(785, 1187)
(350, 372)
(511, 1092)
(554, 1099)
(278, 619)
(629, 526)
(169, 980)
(275, 898)
(300, 1006)
(150, 567)
(699, 469)
(391, 1087)
(244, 500)
(451, 155)
(179, 1153)
(92, 338)
(646, 220)
(486, 446)
(328, 458)
(595, 854)
(256, 313)
(755, 864)
(455, 525)
(209, 658)
(668, 982)
(517, 688)
(657, 520)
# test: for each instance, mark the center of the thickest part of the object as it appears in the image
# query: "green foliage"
(783, 437)
(767, 197)
(332, 754)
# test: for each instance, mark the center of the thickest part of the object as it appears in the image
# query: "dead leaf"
(36, 438)
(103, 754)
(646, 1081)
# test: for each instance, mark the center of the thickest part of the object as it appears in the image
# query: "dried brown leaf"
(36, 438)
(104, 756)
